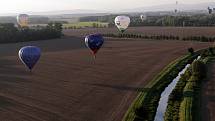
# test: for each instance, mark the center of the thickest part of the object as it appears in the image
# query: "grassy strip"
(185, 109)
(184, 101)
(189, 105)
(145, 105)
(93, 24)
(176, 97)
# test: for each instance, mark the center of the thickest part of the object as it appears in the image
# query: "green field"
(85, 24)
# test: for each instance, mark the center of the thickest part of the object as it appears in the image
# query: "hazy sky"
(16, 6)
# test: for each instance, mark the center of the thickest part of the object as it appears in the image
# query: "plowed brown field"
(68, 85)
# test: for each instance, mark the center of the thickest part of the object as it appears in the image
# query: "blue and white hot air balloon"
(94, 42)
(29, 55)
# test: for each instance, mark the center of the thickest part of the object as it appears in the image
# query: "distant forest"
(32, 19)
(174, 20)
(10, 34)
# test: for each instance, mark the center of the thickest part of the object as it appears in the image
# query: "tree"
(191, 50)
(199, 69)
(211, 50)
(9, 33)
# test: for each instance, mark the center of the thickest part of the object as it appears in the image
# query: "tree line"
(9, 33)
(165, 20)
(32, 19)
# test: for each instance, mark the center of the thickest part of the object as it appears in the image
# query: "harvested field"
(176, 31)
(67, 85)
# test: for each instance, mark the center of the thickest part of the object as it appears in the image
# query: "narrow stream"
(165, 95)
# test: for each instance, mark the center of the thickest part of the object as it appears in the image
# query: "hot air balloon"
(22, 20)
(29, 55)
(122, 22)
(143, 17)
(94, 42)
(176, 5)
(210, 10)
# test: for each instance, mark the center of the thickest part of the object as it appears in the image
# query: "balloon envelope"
(22, 20)
(210, 10)
(94, 42)
(122, 22)
(29, 55)
(176, 7)
(143, 17)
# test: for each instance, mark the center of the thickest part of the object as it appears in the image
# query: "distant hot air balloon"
(210, 10)
(122, 22)
(94, 42)
(143, 17)
(22, 20)
(29, 55)
(176, 8)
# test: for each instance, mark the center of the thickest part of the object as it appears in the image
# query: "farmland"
(85, 24)
(68, 85)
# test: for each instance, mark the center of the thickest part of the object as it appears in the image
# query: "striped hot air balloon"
(22, 20)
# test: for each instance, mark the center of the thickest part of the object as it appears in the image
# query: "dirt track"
(208, 96)
(67, 85)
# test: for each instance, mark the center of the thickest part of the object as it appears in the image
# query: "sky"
(20, 6)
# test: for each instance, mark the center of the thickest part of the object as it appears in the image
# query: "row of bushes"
(162, 37)
(184, 100)
(176, 97)
(144, 107)
(172, 19)
(154, 37)
(9, 33)
(199, 38)
(81, 27)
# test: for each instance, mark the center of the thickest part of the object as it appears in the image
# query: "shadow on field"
(10, 77)
(7, 81)
(8, 67)
(122, 88)
(52, 45)
(4, 102)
